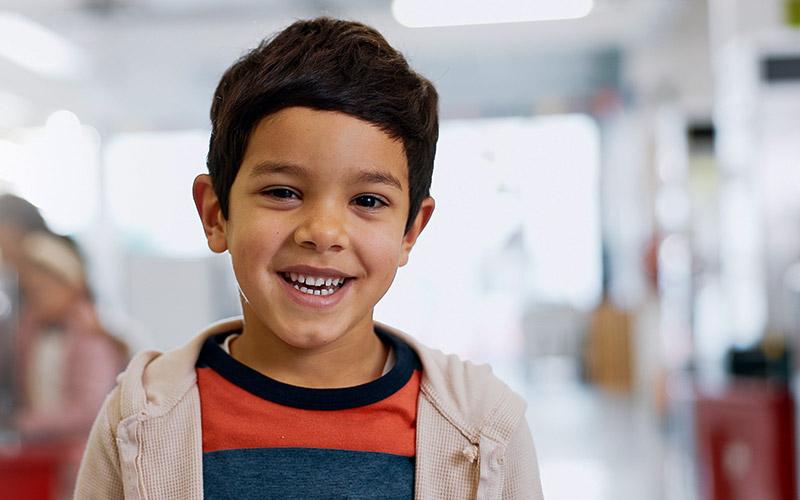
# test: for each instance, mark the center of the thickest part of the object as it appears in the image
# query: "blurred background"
(617, 227)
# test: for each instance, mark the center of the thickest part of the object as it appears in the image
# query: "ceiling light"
(430, 13)
(37, 48)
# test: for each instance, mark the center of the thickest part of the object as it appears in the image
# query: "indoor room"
(616, 233)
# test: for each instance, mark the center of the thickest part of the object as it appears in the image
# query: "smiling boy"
(320, 165)
(323, 195)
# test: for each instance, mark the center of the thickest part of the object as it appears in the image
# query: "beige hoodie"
(472, 437)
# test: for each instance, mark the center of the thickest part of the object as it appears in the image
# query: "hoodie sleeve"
(100, 477)
(521, 467)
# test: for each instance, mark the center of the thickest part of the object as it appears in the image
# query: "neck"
(356, 358)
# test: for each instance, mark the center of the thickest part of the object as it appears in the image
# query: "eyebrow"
(362, 177)
(377, 177)
(270, 167)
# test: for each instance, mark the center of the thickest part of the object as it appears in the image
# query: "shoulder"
(469, 394)
(154, 382)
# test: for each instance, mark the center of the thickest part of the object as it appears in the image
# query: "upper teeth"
(315, 280)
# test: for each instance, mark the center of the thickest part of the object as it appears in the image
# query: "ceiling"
(154, 63)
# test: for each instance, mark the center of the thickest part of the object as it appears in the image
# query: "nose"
(322, 229)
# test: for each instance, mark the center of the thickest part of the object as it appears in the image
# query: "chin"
(309, 339)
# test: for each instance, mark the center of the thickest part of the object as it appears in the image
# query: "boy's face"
(320, 194)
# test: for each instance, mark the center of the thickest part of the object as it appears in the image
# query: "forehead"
(323, 144)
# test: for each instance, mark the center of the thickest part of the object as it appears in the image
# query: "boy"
(320, 164)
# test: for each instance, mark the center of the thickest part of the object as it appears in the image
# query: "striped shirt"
(266, 439)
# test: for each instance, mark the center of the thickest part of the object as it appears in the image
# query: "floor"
(593, 445)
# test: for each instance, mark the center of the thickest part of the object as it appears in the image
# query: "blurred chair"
(32, 472)
(609, 352)
(746, 444)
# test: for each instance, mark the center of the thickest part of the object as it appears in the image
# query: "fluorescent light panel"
(431, 13)
(37, 48)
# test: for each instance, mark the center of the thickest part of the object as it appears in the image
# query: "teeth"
(315, 281)
(323, 292)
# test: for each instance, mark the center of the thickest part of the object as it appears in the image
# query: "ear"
(421, 220)
(214, 224)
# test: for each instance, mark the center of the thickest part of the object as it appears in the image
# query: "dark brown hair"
(329, 65)
(21, 214)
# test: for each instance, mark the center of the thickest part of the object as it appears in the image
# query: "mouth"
(315, 285)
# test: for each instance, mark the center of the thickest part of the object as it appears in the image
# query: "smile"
(314, 285)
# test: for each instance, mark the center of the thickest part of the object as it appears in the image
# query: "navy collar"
(213, 356)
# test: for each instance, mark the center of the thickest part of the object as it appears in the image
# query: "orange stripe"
(234, 418)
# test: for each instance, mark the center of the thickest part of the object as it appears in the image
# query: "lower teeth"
(323, 292)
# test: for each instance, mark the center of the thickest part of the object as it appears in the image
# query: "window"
(517, 219)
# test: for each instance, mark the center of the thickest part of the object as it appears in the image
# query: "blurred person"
(67, 361)
(320, 165)
(55, 365)
(18, 217)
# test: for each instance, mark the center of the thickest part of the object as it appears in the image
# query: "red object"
(33, 472)
(745, 435)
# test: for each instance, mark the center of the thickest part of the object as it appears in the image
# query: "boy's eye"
(282, 193)
(369, 201)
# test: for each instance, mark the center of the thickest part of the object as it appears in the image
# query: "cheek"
(63, 299)
(253, 252)
(257, 242)
(383, 254)
(52, 300)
